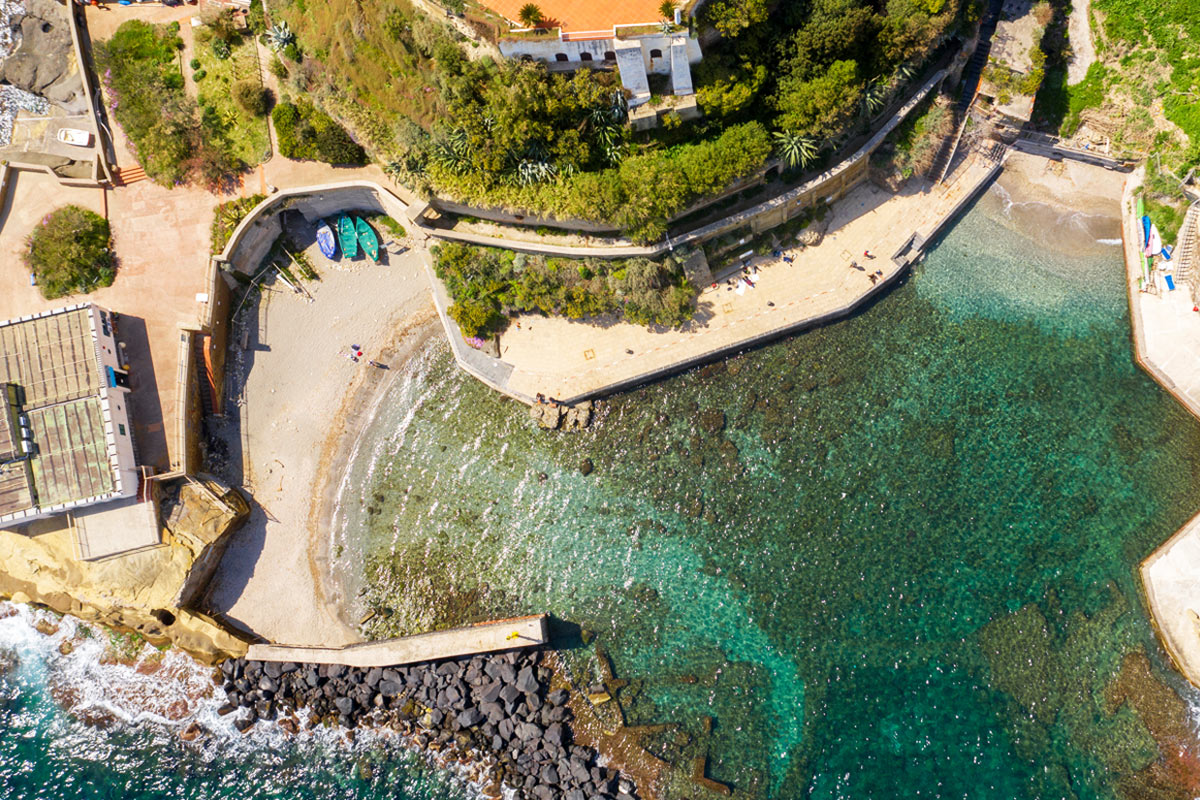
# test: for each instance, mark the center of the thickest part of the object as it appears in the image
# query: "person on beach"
(873, 278)
(867, 253)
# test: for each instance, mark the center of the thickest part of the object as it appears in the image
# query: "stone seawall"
(149, 591)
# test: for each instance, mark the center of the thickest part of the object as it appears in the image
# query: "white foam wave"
(1114, 242)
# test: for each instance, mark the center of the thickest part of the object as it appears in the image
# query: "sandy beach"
(296, 403)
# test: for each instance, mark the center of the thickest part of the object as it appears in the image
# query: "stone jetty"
(496, 708)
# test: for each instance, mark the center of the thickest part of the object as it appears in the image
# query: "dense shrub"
(173, 141)
(221, 49)
(194, 63)
(70, 252)
(251, 97)
(307, 133)
(488, 284)
(199, 75)
(228, 215)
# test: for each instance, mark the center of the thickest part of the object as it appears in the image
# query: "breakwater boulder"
(497, 708)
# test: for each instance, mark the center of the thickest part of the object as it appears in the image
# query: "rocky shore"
(496, 710)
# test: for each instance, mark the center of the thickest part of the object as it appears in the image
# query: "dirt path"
(1082, 47)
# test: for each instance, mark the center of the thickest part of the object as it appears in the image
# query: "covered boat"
(347, 237)
(367, 238)
(325, 240)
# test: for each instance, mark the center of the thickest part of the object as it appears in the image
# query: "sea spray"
(111, 716)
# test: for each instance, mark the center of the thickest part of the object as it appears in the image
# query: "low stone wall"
(254, 236)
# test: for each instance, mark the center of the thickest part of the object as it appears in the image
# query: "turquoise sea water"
(894, 557)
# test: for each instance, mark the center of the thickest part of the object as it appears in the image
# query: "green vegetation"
(517, 136)
(1151, 50)
(228, 215)
(231, 79)
(172, 140)
(70, 252)
(911, 149)
(488, 285)
(390, 225)
(306, 133)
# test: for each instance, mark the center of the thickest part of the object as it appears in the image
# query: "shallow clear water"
(905, 563)
(902, 564)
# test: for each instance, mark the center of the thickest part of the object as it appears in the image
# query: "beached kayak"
(325, 240)
(367, 238)
(347, 238)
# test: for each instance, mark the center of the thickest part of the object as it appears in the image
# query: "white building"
(65, 437)
(598, 35)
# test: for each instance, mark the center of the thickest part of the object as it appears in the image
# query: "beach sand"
(304, 404)
(1085, 201)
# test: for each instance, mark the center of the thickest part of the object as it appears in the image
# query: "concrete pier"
(486, 637)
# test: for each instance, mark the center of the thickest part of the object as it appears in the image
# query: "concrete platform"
(486, 637)
(1171, 577)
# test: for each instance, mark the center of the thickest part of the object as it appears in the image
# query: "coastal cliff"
(148, 591)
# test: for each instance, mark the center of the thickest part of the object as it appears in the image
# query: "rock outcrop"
(149, 590)
(496, 708)
(551, 415)
(44, 62)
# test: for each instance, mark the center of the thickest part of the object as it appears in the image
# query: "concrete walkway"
(1171, 578)
(571, 361)
(485, 637)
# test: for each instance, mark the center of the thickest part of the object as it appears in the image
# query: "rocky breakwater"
(149, 590)
(496, 711)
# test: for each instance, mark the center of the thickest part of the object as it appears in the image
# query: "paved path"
(571, 360)
(486, 637)
(1166, 339)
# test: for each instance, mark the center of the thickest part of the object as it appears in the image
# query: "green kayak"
(367, 238)
(346, 237)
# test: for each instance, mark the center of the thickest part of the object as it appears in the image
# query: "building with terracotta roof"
(629, 35)
(65, 437)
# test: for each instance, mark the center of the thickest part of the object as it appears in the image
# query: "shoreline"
(361, 404)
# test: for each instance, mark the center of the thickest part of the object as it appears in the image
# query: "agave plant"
(530, 172)
(666, 26)
(614, 153)
(796, 150)
(280, 36)
(875, 96)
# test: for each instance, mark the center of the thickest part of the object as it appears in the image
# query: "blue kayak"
(326, 241)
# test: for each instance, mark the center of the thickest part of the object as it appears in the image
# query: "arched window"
(656, 53)
(610, 55)
(585, 56)
(560, 57)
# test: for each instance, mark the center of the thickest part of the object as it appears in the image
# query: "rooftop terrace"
(51, 373)
(575, 16)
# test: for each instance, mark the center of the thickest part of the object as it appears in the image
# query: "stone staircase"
(974, 69)
(945, 155)
(1186, 257)
(127, 175)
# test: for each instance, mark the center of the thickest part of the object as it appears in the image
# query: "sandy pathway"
(1083, 49)
(303, 399)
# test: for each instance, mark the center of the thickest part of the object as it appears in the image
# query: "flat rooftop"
(1013, 39)
(578, 16)
(49, 366)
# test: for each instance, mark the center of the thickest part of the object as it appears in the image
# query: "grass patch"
(1168, 215)
(390, 225)
(70, 252)
(227, 216)
(488, 285)
(248, 136)
(1089, 93)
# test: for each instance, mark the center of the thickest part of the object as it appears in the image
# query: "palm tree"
(667, 10)
(531, 15)
(796, 150)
